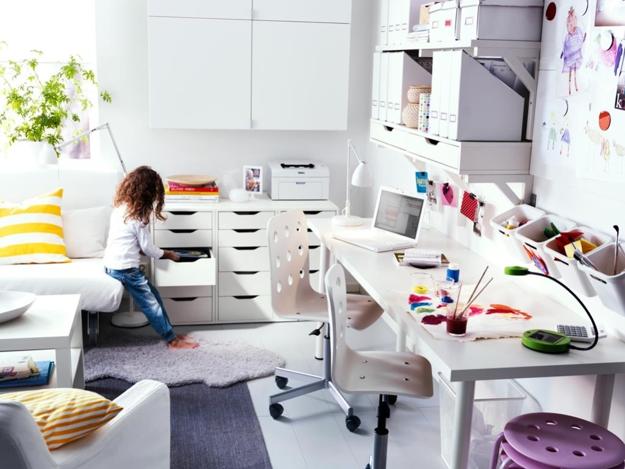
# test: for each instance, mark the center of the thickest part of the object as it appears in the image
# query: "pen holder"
(505, 235)
(610, 287)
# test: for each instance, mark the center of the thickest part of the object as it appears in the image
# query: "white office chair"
(293, 297)
(383, 373)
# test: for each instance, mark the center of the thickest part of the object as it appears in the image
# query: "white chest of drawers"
(233, 284)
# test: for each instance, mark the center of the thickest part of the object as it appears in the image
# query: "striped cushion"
(32, 232)
(65, 415)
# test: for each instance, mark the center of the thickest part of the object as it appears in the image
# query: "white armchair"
(138, 437)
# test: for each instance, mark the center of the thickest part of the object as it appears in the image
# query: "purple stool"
(553, 441)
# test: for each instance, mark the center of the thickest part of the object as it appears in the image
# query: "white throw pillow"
(86, 231)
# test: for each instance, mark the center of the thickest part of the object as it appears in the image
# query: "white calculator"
(580, 333)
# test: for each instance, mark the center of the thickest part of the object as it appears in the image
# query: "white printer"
(299, 180)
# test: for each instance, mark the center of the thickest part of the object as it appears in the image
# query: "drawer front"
(189, 310)
(231, 9)
(313, 239)
(314, 256)
(241, 284)
(186, 221)
(200, 273)
(244, 220)
(184, 238)
(243, 259)
(245, 309)
(185, 292)
(243, 238)
(314, 279)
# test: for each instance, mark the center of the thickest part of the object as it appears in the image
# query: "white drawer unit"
(319, 11)
(253, 237)
(198, 273)
(250, 308)
(253, 259)
(314, 257)
(243, 220)
(244, 283)
(186, 221)
(186, 292)
(185, 238)
(189, 310)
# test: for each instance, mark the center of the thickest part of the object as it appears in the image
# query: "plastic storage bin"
(496, 403)
(444, 21)
(523, 213)
(533, 238)
(503, 20)
(610, 288)
(570, 269)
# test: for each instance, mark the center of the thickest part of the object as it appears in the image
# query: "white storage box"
(610, 288)
(569, 269)
(444, 21)
(403, 72)
(504, 20)
(532, 236)
(524, 214)
(496, 403)
(468, 103)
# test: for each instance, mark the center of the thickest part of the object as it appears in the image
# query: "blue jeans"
(148, 299)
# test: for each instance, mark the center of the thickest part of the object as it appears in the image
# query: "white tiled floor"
(312, 432)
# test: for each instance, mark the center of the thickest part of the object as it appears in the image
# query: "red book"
(180, 188)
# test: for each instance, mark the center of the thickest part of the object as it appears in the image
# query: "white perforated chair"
(293, 297)
(375, 372)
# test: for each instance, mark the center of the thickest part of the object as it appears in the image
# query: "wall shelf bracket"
(504, 181)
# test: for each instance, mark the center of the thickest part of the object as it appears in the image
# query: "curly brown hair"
(143, 193)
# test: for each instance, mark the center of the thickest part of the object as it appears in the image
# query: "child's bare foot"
(180, 344)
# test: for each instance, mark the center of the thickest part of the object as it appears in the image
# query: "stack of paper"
(421, 258)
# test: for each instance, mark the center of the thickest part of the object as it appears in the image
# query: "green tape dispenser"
(545, 341)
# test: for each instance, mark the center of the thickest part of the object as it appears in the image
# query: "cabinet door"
(322, 11)
(300, 76)
(199, 73)
(217, 9)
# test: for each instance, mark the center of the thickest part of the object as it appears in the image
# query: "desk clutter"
(191, 189)
(23, 371)
(587, 260)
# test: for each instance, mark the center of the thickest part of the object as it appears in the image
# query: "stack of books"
(191, 189)
(24, 372)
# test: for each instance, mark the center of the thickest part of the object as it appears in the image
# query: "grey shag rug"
(215, 363)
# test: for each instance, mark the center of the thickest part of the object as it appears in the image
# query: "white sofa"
(138, 437)
(83, 188)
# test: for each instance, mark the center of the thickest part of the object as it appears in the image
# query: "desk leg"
(463, 415)
(602, 400)
(400, 340)
(63, 366)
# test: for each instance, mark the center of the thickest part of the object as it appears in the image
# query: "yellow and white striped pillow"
(32, 232)
(65, 415)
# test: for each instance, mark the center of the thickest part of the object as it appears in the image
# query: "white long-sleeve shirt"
(126, 241)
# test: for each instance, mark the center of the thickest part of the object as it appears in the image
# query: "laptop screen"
(399, 213)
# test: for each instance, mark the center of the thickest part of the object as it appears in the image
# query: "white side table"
(50, 330)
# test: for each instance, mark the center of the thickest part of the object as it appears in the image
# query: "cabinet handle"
(183, 231)
(247, 248)
(250, 297)
(312, 212)
(246, 230)
(246, 213)
(183, 214)
(245, 273)
(184, 300)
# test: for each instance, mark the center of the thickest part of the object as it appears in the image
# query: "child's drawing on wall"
(565, 140)
(553, 133)
(571, 55)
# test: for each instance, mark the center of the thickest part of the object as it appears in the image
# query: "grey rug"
(211, 428)
(214, 363)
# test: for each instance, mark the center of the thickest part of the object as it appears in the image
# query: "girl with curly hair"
(139, 197)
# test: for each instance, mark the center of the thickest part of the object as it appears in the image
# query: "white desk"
(462, 364)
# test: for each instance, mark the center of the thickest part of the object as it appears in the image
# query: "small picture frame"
(253, 179)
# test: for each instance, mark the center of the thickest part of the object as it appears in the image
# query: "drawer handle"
(245, 273)
(181, 300)
(183, 214)
(251, 297)
(183, 231)
(388, 129)
(432, 141)
(312, 212)
(246, 213)
(312, 248)
(313, 272)
(247, 230)
(247, 248)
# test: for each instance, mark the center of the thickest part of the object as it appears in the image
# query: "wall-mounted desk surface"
(463, 363)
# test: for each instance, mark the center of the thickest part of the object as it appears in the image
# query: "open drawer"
(188, 273)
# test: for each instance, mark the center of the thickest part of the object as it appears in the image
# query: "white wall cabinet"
(318, 11)
(301, 74)
(196, 82)
(221, 65)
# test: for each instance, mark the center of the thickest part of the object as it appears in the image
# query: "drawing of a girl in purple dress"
(572, 49)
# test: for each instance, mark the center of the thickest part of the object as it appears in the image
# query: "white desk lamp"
(131, 318)
(360, 178)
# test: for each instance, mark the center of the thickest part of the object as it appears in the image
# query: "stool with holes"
(554, 441)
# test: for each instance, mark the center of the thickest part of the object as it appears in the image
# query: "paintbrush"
(474, 299)
(457, 300)
(477, 285)
(616, 247)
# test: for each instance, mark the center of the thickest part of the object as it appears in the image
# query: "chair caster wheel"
(276, 410)
(391, 399)
(368, 466)
(281, 382)
(352, 423)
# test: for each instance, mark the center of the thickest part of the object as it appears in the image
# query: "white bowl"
(14, 303)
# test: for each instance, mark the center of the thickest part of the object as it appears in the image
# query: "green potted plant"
(35, 107)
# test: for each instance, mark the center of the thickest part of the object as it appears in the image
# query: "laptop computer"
(396, 223)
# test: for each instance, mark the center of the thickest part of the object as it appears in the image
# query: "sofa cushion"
(98, 292)
(85, 231)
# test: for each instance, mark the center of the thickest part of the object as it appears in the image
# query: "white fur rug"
(216, 363)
